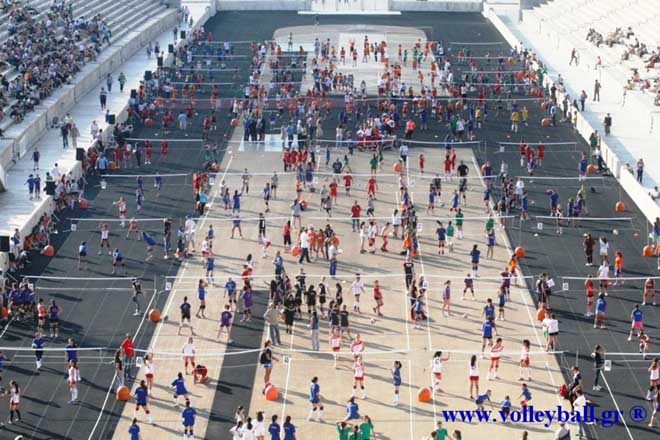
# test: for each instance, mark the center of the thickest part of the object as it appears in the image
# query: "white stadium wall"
(394, 5)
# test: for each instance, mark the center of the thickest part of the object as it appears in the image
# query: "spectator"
(640, 170)
(607, 123)
(64, 131)
(103, 98)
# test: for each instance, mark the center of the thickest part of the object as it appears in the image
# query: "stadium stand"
(85, 22)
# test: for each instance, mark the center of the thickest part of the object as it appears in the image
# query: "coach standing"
(272, 318)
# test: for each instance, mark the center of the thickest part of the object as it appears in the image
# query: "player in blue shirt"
(431, 205)
(601, 310)
(525, 395)
(582, 167)
(139, 198)
(487, 193)
(289, 429)
(230, 291)
(134, 430)
(554, 201)
(158, 183)
(236, 202)
(188, 418)
(506, 408)
(201, 296)
(488, 328)
(352, 410)
(482, 398)
(475, 253)
(139, 182)
(454, 201)
(524, 205)
(142, 400)
(442, 237)
(490, 243)
(489, 310)
(118, 260)
(38, 345)
(179, 388)
(396, 380)
(210, 266)
(315, 400)
(637, 325)
(274, 429)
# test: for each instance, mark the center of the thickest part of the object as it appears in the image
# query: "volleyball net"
(545, 147)
(609, 225)
(564, 183)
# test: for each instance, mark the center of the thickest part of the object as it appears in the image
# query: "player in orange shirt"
(618, 267)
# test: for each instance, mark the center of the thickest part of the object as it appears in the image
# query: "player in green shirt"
(459, 223)
(367, 429)
(450, 236)
(343, 429)
(373, 162)
(490, 223)
(440, 432)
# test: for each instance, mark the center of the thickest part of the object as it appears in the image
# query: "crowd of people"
(43, 53)
(292, 296)
(637, 54)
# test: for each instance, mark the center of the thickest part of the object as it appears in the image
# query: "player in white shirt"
(121, 206)
(525, 361)
(358, 288)
(105, 238)
(335, 344)
(149, 371)
(188, 351)
(436, 369)
(495, 353)
(357, 346)
(189, 231)
(358, 376)
(73, 379)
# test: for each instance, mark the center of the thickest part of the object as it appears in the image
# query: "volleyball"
(615, 232)
(372, 320)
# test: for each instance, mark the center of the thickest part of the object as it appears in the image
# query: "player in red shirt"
(348, 179)
(148, 151)
(356, 209)
(163, 148)
(523, 153)
(333, 190)
(372, 187)
(540, 154)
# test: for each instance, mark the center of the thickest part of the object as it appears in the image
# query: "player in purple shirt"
(225, 320)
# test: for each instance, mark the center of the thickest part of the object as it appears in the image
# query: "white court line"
(107, 394)
(158, 328)
(288, 373)
(428, 301)
(183, 271)
(522, 294)
(410, 400)
(4, 330)
(406, 303)
(616, 405)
